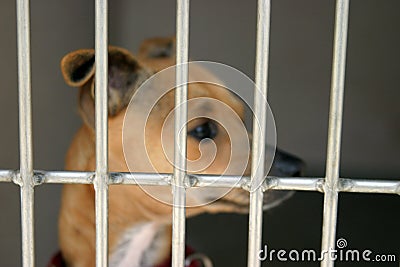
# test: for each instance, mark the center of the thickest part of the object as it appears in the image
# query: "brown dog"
(139, 225)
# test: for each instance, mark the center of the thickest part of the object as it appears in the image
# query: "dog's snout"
(286, 164)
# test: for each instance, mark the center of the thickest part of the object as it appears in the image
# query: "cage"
(299, 58)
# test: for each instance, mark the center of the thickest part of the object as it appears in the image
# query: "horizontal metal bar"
(140, 179)
(201, 180)
(7, 175)
(295, 183)
(64, 177)
(344, 185)
(218, 181)
(369, 186)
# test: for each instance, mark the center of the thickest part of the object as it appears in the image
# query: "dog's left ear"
(125, 75)
(158, 53)
(158, 48)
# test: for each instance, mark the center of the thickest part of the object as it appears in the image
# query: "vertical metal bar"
(100, 181)
(335, 130)
(25, 133)
(259, 131)
(178, 190)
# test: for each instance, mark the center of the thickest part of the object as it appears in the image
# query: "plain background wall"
(224, 31)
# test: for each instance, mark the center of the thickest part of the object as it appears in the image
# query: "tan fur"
(128, 205)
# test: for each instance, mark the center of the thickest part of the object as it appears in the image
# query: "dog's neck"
(142, 245)
(134, 240)
(130, 223)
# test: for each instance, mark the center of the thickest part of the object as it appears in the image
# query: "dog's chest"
(139, 247)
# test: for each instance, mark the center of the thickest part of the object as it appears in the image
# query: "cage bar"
(259, 133)
(350, 185)
(369, 186)
(178, 187)
(335, 131)
(101, 107)
(25, 133)
(7, 176)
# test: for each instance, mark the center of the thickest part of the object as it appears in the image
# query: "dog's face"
(126, 74)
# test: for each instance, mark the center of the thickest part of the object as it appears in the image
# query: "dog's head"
(126, 74)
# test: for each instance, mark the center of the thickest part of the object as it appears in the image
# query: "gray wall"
(224, 31)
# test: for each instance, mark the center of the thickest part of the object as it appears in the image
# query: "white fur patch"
(138, 247)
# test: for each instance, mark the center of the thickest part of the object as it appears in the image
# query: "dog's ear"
(125, 75)
(158, 48)
(158, 53)
(78, 67)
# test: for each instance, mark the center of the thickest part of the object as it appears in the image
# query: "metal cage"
(330, 185)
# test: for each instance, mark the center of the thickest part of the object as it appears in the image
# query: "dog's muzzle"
(284, 165)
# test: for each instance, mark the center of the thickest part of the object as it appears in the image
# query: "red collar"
(58, 261)
(188, 251)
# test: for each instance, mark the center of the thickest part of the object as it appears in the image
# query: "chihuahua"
(140, 225)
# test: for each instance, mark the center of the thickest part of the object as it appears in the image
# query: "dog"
(139, 225)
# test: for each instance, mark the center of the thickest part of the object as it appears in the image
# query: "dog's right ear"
(125, 75)
(78, 70)
(78, 67)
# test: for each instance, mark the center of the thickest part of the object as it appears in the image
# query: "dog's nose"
(286, 165)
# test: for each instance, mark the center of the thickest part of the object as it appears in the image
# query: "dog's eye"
(206, 130)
